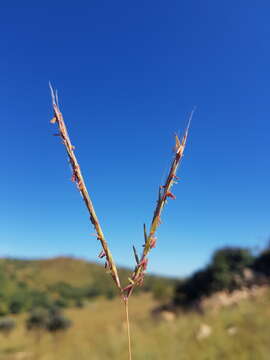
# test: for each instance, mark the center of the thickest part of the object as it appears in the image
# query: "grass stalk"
(77, 177)
(137, 276)
(128, 327)
(164, 193)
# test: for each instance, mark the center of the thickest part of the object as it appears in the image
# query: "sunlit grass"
(99, 332)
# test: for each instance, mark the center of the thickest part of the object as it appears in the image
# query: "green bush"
(47, 319)
(17, 304)
(225, 271)
(38, 299)
(68, 294)
(198, 285)
(262, 263)
(37, 319)
(57, 322)
(232, 259)
(4, 308)
(102, 287)
(61, 302)
(162, 291)
(226, 264)
(7, 325)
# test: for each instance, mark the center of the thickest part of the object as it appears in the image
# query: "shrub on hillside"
(101, 287)
(67, 294)
(61, 302)
(4, 307)
(39, 299)
(224, 272)
(199, 284)
(232, 259)
(7, 325)
(57, 322)
(17, 302)
(47, 319)
(228, 265)
(262, 263)
(37, 319)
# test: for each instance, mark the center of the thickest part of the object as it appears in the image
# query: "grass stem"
(128, 327)
(77, 177)
(149, 238)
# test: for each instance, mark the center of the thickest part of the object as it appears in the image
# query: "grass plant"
(137, 277)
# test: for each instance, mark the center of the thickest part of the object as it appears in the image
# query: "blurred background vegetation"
(63, 282)
(69, 307)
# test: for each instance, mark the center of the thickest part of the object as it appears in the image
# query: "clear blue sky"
(128, 74)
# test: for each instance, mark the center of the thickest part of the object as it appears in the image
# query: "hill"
(63, 281)
(39, 274)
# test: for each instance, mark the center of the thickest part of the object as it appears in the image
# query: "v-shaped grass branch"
(137, 277)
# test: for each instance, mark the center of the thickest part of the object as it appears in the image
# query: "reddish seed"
(101, 254)
(127, 287)
(140, 280)
(169, 194)
(143, 263)
(153, 242)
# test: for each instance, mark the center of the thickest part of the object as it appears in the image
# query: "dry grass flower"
(137, 277)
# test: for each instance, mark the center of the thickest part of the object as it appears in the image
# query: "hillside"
(41, 273)
(66, 281)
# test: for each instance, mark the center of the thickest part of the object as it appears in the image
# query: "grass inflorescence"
(137, 277)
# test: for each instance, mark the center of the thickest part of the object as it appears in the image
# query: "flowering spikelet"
(153, 242)
(77, 177)
(169, 194)
(101, 254)
(163, 194)
(144, 263)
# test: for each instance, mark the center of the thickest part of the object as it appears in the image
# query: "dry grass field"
(99, 333)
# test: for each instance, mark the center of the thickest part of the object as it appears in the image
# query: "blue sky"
(128, 74)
